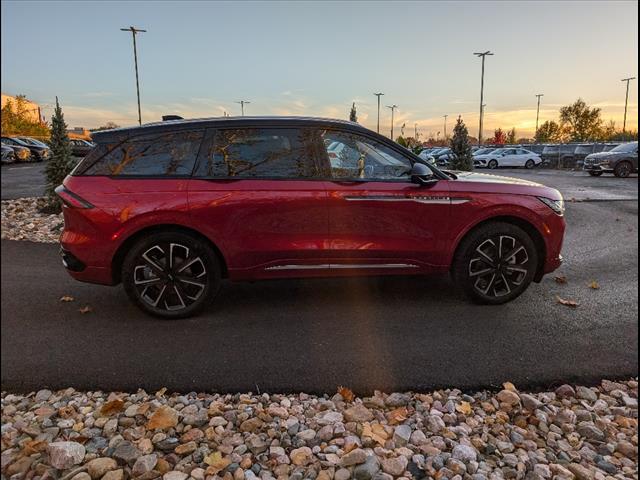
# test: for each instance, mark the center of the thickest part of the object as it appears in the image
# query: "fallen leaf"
(568, 303)
(376, 432)
(67, 298)
(594, 285)
(34, 446)
(397, 416)
(114, 406)
(509, 386)
(560, 279)
(464, 408)
(346, 393)
(216, 462)
(66, 411)
(85, 309)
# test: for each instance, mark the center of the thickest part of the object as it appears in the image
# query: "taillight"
(71, 199)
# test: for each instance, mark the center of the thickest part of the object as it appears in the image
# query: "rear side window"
(260, 153)
(166, 154)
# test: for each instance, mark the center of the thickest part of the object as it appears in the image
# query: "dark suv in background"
(622, 161)
(39, 151)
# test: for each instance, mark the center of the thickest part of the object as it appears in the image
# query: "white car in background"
(508, 157)
(425, 155)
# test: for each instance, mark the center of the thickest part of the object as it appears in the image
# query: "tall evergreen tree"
(60, 164)
(353, 115)
(461, 147)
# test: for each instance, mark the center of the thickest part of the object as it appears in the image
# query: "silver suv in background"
(622, 161)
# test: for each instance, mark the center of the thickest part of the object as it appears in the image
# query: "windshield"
(484, 151)
(33, 141)
(625, 148)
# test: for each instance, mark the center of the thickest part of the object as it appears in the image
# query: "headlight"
(556, 205)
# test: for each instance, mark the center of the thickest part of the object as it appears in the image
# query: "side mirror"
(422, 175)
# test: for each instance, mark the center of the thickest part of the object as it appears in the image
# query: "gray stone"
(586, 393)
(565, 391)
(397, 400)
(175, 475)
(434, 423)
(590, 431)
(144, 464)
(401, 435)
(418, 438)
(42, 395)
(342, 474)
(366, 470)
(464, 453)
(394, 466)
(530, 402)
(358, 413)
(126, 453)
(63, 455)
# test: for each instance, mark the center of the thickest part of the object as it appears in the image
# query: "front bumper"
(597, 168)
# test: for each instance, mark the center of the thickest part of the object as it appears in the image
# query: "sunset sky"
(308, 58)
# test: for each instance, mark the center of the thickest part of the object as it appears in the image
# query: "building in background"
(79, 132)
(32, 110)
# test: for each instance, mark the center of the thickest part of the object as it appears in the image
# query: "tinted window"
(260, 153)
(166, 154)
(626, 148)
(356, 157)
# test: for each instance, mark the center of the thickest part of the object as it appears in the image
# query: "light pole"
(482, 55)
(445, 126)
(626, 100)
(415, 126)
(242, 104)
(392, 107)
(134, 31)
(378, 95)
(539, 95)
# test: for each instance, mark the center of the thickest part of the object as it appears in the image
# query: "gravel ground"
(22, 220)
(572, 432)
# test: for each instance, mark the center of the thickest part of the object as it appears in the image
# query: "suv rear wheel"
(530, 164)
(623, 169)
(495, 263)
(171, 275)
(492, 164)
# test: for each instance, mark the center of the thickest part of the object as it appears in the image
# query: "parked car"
(7, 155)
(535, 147)
(259, 198)
(508, 157)
(21, 153)
(38, 152)
(622, 161)
(426, 156)
(443, 156)
(79, 147)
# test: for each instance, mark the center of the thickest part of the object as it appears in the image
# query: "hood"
(486, 178)
(602, 155)
(485, 183)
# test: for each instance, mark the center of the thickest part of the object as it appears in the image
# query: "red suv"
(171, 208)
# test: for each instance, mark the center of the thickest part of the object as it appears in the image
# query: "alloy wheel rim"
(499, 266)
(170, 276)
(624, 170)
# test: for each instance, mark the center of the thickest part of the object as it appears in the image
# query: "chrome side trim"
(338, 266)
(422, 199)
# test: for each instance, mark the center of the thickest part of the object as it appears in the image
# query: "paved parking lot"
(313, 335)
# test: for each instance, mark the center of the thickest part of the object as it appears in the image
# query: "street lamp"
(482, 55)
(626, 100)
(242, 104)
(392, 107)
(539, 95)
(134, 31)
(378, 95)
(445, 126)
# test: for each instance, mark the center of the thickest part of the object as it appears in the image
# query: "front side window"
(279, 153)
(354, 157)
(165, 154)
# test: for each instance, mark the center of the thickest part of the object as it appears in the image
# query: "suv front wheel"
(495, 263)
(623, 170)
(171, 275)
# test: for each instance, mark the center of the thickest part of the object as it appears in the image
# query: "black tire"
(181, 283)
(623, 169)
(493, 163)
(491, 282)
(594, 173)
(529, 164)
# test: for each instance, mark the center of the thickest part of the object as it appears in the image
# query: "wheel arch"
(118, 258)
(520, 222)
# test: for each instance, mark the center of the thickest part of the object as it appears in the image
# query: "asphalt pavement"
(313, 335)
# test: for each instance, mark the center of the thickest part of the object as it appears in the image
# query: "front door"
(380, 222)
(259, 195)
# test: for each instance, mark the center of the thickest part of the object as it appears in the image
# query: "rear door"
(260, 196)
(380, 222)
